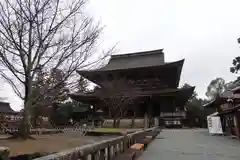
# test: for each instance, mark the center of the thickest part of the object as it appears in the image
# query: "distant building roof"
(236, 89)
(5, 108)
(230, 93)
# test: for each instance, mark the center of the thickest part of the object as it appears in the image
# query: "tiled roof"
(135, 60)
(5, 108)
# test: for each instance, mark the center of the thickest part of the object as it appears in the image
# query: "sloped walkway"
(187, 144)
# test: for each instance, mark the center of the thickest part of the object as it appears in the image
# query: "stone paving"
(195, 144)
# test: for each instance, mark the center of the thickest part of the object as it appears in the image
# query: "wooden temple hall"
(146, 79)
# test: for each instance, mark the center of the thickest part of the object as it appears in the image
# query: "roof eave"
(180, 72)
(83, 97)
(90, 74)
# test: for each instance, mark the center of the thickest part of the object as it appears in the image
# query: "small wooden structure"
(227, 105)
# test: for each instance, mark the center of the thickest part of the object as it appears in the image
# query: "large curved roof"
(169, 72)
(140, 65)
(135, 60)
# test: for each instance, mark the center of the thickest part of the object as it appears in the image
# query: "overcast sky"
(204, 32)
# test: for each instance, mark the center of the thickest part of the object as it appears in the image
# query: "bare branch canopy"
(47, 35)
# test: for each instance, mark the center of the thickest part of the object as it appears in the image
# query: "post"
(156, 124)
(106, 153)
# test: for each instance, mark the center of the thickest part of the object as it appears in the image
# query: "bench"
(129, 154)
(138, 146)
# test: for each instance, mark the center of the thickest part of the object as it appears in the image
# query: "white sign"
(214, 125)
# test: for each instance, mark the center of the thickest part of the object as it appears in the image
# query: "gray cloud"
(204, 32)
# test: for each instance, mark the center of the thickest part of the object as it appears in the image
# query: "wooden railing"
(103, 150)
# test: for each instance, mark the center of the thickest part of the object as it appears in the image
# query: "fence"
(38, 131)
(106, 149)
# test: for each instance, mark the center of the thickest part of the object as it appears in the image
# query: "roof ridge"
(141, 53)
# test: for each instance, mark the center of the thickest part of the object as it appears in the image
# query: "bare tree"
(45, 81)
(117, 97)
(46, 34)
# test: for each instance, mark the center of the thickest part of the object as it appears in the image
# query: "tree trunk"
(34, 117)
(133, 122)
(114, 122)
(24, 128)
(118, 122)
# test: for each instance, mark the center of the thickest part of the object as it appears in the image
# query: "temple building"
(10, 118)
(146, 79)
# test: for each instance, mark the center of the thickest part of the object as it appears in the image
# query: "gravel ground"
(189, 144)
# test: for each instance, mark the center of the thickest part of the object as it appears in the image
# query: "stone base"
(4, 153)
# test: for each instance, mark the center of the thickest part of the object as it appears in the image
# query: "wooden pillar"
(237, 124)
(228, 125)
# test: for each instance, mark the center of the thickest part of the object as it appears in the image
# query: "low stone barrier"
(125, 123)
(103, 150)
(40, 131)
(36, 131)
(4, 153)
(76, 129)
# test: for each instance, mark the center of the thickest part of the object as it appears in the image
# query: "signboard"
(214, 125)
